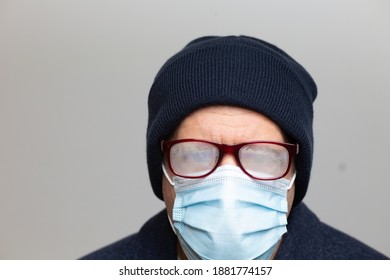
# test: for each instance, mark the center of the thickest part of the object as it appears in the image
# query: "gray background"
(74, 79)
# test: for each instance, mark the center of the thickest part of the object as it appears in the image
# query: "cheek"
(168, 195)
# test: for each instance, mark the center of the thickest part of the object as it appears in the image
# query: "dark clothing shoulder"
(307, 239)
(155, 241)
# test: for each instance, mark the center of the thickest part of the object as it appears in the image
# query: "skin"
(227, 125)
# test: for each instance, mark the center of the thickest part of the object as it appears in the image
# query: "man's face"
(226, 125)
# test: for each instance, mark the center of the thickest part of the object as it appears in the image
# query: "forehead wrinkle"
(229, 133)
(227, 125)
(222, 126)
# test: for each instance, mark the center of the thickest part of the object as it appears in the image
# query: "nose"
(228, 159)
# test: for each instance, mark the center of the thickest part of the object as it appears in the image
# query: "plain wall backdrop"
(74, 80)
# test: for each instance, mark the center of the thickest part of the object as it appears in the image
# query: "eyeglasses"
(261, 160)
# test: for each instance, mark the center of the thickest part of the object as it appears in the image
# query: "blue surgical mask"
(228, 215)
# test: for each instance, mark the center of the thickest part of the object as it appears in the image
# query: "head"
(227, 125)
(244, 75)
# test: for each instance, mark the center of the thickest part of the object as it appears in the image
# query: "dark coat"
(307, 239)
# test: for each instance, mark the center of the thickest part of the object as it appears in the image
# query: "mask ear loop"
(171, 223)
(170, 181)
(292, 180)
(166, 174)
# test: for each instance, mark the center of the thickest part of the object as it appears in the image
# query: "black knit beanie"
(239, 71)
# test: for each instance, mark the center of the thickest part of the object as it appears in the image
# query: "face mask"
(228, 215)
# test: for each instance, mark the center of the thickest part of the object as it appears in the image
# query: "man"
(229, 148)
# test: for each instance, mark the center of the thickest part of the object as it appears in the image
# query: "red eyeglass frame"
(166, 145)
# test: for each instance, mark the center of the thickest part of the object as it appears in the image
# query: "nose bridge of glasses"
(228, 155)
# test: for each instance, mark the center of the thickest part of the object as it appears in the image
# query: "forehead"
(228, 125)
